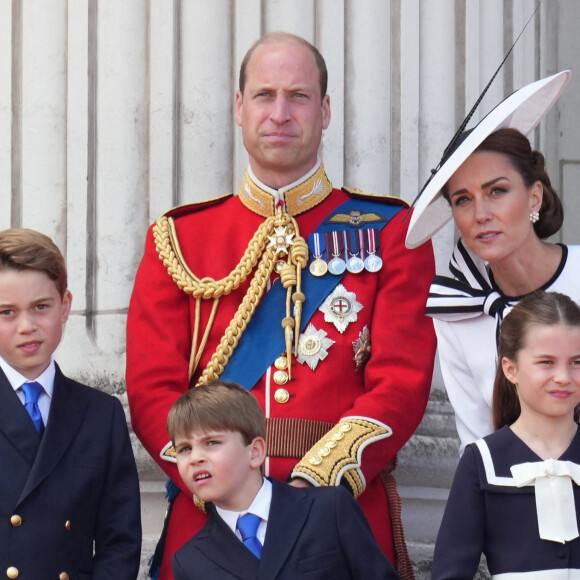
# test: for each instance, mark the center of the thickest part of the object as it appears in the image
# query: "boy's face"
(32, 314)
(217, 467)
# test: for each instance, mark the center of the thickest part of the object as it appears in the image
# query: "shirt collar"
(295, 198)
(259, 507)
(46, 378)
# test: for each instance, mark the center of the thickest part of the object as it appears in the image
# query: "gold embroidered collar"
(297, 197)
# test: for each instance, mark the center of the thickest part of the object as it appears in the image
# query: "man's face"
(282, 113)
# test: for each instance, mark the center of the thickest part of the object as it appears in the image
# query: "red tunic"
(392, 388)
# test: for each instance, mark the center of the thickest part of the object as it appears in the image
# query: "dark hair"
(541, 309)
(217, 405)
(529, 164)
(286, 37)
(23, 249)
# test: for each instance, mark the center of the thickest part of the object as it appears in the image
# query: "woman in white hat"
(496, 189)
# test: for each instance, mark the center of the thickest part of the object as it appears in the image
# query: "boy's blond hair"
(217, 405)
(23, 249)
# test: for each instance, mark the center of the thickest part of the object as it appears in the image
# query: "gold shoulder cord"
(273, 238)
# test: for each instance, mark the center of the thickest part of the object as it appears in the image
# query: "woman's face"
(491, 205)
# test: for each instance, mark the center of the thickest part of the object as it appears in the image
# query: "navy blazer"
(314, 533)
(69, 501)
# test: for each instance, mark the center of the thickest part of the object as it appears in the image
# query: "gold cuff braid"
(338, 454)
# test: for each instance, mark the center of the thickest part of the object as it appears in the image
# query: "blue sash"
(263, 340)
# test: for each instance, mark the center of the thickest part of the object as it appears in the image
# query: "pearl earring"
(534, 216)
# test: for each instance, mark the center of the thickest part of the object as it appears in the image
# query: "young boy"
(69, 493)
(218, 430)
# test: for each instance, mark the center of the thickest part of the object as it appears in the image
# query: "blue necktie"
(248, 526)
(31, 393)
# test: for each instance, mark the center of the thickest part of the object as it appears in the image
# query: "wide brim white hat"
(522, 110)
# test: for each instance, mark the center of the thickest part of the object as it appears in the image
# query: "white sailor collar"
(552, 480)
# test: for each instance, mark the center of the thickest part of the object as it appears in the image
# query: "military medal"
(336, 266)
(355, 265)
(281, 240)
(341, 308)
(313, 346)
(335, 245)
(318, 267)
(355, 249)
(373, 263)
(362, 348)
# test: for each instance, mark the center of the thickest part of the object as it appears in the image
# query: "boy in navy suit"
(259, 528)
(69, 492)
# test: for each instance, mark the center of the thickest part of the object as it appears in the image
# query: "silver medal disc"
(336, 266)
(355, 265)
(373, 263)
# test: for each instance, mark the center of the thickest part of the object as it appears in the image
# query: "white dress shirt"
(259, 507)
(46, 379)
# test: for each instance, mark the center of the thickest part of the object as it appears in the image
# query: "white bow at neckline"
(554, 496)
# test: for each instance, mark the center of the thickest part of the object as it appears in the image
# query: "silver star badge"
(313, 346)
(281, 240)
(341, 308)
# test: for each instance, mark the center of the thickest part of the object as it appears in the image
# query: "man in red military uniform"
(303, 293)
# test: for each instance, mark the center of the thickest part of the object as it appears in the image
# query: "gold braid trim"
(239, 322)
(338, 454)
(262, 251)
(170, 254)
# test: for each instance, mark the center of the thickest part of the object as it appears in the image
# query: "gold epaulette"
(355, 192)
(187, 208)
(339, 453)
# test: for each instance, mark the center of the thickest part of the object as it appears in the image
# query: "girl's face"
(491, 205)
(547, 371)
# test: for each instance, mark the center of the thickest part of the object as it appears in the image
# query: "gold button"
(280, 377)
(12, 572)
(315, 460)
(330, 444)
(323, 452)
(281, 363)
(15, 520)
(281, 396)
(63, 576)
(67, 525)
(338, 436)
(345, 427)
